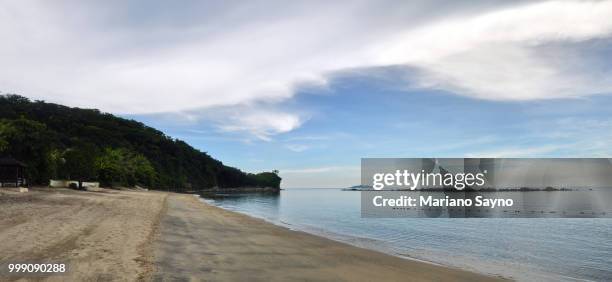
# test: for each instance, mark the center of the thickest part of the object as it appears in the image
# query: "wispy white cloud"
(583, 137)
(245, 123)
(124, 59)
(315, 170)
(309, 138)
(261, 124)
(517, 151)
(557, 137)
(297, 147)
(321, 177)
(508, 54)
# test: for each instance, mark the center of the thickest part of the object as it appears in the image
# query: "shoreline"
(235, 246)
(364, 243)
(157, 236)
(340, 238)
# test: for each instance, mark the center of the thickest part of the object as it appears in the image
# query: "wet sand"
(112, 235)
(202, 242)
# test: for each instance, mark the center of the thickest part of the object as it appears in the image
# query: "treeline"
(59, 142)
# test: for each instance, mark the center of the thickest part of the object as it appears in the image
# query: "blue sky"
(310, 87)
(360, 116)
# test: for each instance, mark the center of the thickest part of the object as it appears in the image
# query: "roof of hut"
(8, 161)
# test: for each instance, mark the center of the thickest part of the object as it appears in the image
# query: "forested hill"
(59, 142)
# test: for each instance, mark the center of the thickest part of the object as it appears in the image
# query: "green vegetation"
(60, 142)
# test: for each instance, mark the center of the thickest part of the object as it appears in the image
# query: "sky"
(311, 87)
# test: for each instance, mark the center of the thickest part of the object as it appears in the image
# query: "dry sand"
(102, 236)
(112, 235)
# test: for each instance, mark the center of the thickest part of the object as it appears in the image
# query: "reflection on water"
(522, 248)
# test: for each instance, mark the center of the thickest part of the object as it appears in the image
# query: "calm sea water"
(520, 248)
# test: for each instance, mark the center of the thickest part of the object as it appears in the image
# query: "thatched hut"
(12, 172)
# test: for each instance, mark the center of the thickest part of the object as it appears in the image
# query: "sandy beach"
(102, 236)
(199, 241)
(137, 235)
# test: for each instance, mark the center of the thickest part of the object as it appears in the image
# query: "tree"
(5, 130)
(121, 166)
(109, 166)
(80, 163)
(29, 141)
(267, 179)
(144, 173)
(51, 139)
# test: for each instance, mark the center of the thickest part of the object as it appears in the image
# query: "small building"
(61, 183)
(12, 172)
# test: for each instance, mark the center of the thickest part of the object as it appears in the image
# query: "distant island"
(358, 188)
(60, 142)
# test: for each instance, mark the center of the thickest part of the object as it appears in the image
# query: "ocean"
(526, 249)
